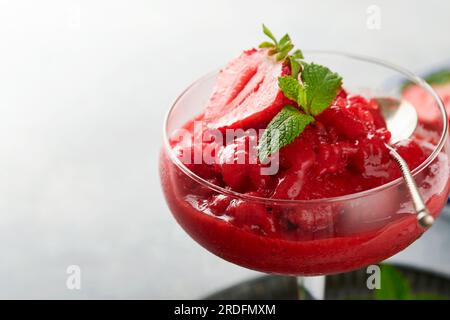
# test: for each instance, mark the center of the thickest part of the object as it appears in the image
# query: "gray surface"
(84, 86)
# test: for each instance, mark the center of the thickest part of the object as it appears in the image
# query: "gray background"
(84, 86)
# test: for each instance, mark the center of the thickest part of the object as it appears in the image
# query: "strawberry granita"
(296, 220)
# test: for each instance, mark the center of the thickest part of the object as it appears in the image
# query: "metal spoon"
(401, 120)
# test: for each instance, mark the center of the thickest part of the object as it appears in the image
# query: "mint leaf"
(321, 86)
(295, 66)
(318, 90)
(290, 87)
(301, 100)
(394, 285)
(268, 33)
(282, 130)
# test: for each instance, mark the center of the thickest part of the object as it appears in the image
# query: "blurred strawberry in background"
(422, 100)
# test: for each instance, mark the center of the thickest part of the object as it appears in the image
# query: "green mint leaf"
(289, 86)
(321, 86)
(295, 66)
(292, 89)
(266, 44)
(268, 33)
(298, 54)
(394, 285)
(302, 100)
(287, 125)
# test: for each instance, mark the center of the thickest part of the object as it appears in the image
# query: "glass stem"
(311, 288)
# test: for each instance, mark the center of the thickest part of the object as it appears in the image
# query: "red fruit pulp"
(290, 239)
(343, 152)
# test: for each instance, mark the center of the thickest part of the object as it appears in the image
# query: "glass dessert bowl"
(319, 234)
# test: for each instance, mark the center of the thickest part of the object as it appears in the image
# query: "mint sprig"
(317, 90)
(287, 125)
(290, 87)
(314, 93)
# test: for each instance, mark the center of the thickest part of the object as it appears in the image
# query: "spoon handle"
(424, 218)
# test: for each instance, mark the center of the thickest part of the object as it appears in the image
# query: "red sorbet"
(343, 152)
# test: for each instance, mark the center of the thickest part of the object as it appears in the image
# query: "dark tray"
(340, 286)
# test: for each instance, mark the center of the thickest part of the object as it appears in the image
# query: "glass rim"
(408, 74)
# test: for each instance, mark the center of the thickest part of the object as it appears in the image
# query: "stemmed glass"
(348, 232)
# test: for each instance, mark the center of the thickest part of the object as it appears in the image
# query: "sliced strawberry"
(425, 103)
(246, 94)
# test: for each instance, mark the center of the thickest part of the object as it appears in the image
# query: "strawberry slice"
(246, 94)
(424, 102)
